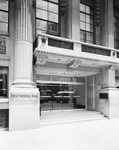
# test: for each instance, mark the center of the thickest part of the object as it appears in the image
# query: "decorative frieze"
(94, 50)
(60, 44)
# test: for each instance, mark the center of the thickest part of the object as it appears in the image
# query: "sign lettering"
(24, 96)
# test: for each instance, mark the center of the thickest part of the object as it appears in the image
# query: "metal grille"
(4, 118)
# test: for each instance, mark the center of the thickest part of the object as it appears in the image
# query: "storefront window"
(47, 17)
(3, 82)
(3, 16)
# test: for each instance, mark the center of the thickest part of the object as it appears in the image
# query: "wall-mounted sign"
(43, 77)
(2, 45)
(103, 95)
(23, 96)
(54, 78)
(62, 79)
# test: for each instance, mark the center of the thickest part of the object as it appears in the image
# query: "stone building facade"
(57, 54)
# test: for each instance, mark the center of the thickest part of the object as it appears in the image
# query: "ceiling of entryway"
(52, 64)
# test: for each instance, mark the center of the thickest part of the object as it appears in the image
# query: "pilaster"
(73, 20)
(109, 94)
(107, 23)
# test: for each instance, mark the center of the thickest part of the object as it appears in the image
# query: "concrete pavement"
(88, 135)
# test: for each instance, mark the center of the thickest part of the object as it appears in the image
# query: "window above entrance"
(86, 23)
(47, 16)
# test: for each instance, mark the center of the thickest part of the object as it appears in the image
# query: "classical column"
(23, 52)
(23, 96)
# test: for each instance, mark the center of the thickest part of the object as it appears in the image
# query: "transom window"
(86, 23)
(47, 16)
(3, 16)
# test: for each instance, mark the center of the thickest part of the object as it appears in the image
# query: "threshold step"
(52, 122)
(48, 118)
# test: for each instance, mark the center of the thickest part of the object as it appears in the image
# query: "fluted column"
(23, 95)
(23, 51)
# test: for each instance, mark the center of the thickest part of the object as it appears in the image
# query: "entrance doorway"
(61, 96)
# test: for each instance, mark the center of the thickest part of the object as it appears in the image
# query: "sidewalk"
(90, 135)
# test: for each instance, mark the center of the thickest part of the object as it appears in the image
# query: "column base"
(23, 83)
(23, 109)
(109, 102)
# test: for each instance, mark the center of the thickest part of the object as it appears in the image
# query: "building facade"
(57, 55)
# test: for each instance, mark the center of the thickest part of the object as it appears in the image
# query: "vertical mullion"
(48, 16)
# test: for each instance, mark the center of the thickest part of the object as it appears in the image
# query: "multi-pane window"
(116, 27)
(116, 33)
(86, 23)
(3, 82)
(3, 16)
(47, 16)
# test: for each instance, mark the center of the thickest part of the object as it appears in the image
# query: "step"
(69, 117)
(71, 121)
(67, 112)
